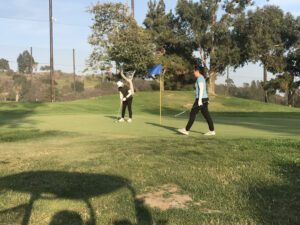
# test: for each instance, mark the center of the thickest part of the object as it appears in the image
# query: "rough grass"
(69, 163)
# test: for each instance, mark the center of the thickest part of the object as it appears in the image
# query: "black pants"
(126, 104)
(204, 110)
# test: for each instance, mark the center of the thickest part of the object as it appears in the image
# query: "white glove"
(200, 103)
(124, 99)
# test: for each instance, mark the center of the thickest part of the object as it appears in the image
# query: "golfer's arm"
(129, 94)
(121, 96)
(201, 90)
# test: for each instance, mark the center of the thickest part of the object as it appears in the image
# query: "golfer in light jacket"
(200, 104)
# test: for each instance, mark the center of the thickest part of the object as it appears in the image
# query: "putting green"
(74, 163)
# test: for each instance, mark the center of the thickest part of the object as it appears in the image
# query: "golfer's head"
(199, 71)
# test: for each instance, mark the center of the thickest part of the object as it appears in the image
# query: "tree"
(200, 20)
(173, 48)
(4, 65)
(284, 60)
(287, 81)
(21, 86)
(25, 63)
(132, 48)
(266, 34)
(45, 68)
(109, 19)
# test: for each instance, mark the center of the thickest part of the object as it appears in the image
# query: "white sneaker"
(129, 120)
(210, 133)
(183, 131)
(121, 120)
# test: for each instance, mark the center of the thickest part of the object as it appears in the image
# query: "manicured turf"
(73, 163)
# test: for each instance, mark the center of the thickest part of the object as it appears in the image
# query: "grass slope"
(71, 162)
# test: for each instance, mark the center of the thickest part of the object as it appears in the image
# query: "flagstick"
(160, 103)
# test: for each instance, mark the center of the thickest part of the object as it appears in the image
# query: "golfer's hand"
(200, 103)
(124, 99)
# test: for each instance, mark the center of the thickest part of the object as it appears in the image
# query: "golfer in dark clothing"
(200, 104)
(126, 98)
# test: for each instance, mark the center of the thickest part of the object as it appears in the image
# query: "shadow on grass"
(15, 114)
(23, 135)
(52, 185)
(278, 204)
(174, 129)
(288, 123)
(114, 118)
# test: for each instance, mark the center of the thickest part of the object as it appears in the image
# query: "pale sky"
(24, 23)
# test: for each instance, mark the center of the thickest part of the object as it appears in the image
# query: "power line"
(42, 21)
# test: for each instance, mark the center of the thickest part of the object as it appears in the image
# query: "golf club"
(179, 114)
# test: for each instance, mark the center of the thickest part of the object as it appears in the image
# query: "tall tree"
(4, 65)
(132, 48)
(211, 32)
(173, 47)
(25, 62)
(264, 28)
(109, 19)
(287, 70)
(117, 37)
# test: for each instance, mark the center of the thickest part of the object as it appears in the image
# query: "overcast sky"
(24, 23)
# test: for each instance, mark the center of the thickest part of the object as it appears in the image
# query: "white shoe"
(183, 131)
(129, 120)
(121, 120)
(210, 133)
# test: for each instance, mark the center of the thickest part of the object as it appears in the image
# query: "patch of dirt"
(170, 196)
(166, 197)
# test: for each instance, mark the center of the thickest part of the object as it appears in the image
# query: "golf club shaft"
(179, 114)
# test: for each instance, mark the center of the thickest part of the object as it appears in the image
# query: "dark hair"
(201, 69)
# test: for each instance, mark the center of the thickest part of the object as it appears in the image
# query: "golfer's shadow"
(53, 185)
(174, 129)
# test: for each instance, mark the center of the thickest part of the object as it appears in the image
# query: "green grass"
(72, 156)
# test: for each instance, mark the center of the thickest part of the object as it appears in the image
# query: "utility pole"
(74, 70)
(132, 8)
(51, 52)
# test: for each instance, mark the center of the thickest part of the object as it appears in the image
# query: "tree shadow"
(13, 115)
(67, 185)
(278, 204)
(23, 135)
(288, 123)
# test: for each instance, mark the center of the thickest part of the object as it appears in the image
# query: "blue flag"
(155, 71)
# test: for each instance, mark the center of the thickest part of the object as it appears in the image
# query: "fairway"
(70, 161)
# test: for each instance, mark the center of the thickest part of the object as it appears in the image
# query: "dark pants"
(126, 104)
(204, 110)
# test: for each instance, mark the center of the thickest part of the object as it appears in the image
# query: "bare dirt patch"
(170, 196)
(166, 197)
